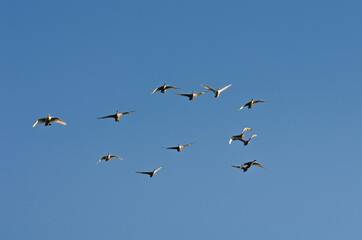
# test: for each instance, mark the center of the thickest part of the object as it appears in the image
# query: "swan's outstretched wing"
(246, 129)
(58, 120)
(39, 121)
(104, 157)
(109, 116)
(157, 89)
(245, 105)
(187, 145)
(159, 168)
(170, 147)
(124, 113)
(253, 136)
(114, 156)
(209, 88)
(259, 101)
(224, 88)
(184, 94)
(197, 94)
(259, 165)
(236, 166)
(171, 87)
(148, 173)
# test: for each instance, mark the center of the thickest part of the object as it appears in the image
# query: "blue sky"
(79, 60)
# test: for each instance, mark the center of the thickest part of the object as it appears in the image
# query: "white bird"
(239, 137)
(48, 121)
(218, 91)
(116, 116)
(250, 104)
(192, 95)
(179, 147)
(163, 88)
(107, 157)
(153, 172)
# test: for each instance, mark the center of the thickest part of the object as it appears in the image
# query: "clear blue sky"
(79, 60)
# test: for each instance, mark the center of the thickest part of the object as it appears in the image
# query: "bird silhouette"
(192, 95)
(239, 137)
(48, 121)
(218, 91)
(116, 116)
(179, 147)
(245, 167)
(163, 88)
(250, 104)
(151, 174)
(107, 157)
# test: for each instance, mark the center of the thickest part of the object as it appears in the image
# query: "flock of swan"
(245, 167)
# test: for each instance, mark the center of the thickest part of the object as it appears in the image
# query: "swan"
(218, 91)
(163, 88)
(116, 116)
(239, 137)
(250, 104)
(245, 167)
(107, 157)
(48, 121)
(192, 95)
(179, 147)
(153, 172)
